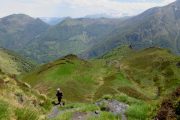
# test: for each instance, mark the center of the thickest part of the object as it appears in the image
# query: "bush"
(26, 114)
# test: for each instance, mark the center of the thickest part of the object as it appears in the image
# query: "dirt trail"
(56, 112)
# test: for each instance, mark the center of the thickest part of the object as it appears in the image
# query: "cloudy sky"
(77, 8)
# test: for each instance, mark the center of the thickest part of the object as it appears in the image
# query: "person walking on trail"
(59, 95)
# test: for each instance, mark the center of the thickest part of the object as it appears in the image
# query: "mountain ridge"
(154, 27)
(18, 29)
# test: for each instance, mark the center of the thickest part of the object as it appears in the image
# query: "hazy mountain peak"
(17, 18)
(52, 20)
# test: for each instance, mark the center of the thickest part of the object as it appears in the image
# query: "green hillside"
(79, 79)
(12, 63)
(18, 101)
(139, 78)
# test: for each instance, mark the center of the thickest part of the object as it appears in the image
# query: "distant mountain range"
(90, 37)
(57, 20)
(159, 26)
(71, 36)
(36, 39)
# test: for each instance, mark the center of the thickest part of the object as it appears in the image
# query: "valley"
(103, 68)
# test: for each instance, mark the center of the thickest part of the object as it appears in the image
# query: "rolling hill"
(157, 26)
(141, 79)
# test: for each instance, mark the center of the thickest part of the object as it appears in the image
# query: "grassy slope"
(153, 67)
(139, 78)
(18, 101)
(77, 78)
(12, 63)
(153, 71)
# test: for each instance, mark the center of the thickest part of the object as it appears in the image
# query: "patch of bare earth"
(167, 110)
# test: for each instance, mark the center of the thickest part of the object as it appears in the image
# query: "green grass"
(126, 99)
(118, 53)
(140, 111)
(4, 111)
(26, 114)
(141, 80)
(78, 79)
(81, 107)
(65, 116)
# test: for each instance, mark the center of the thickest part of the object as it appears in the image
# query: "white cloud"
(77, 8)
(112, 6)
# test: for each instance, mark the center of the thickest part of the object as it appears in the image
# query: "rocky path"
(54, 113)
(114, 106)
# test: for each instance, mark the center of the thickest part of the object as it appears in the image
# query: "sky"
(77, 8)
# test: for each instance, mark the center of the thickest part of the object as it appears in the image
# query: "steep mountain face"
(155, 27)
(19, 29)
(71, 36)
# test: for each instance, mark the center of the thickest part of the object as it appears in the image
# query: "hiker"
(59, 95)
